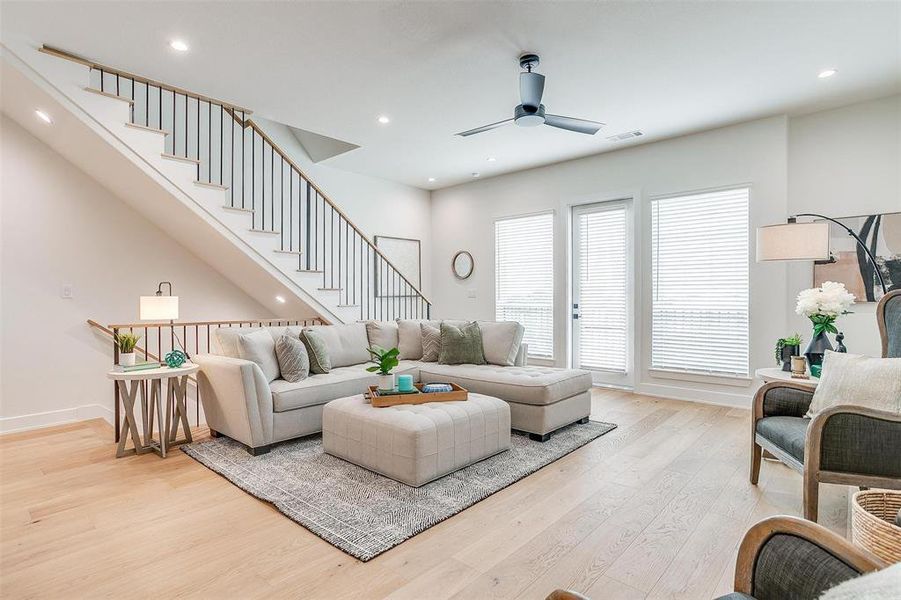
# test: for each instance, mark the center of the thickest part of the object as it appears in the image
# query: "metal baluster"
(263, 183)
(186, 126)
(231, 163)
(308, 224)
(243, 163)
(253, 162)
(221, 143)
(198, 139)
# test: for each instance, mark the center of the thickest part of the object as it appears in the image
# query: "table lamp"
(162, 308)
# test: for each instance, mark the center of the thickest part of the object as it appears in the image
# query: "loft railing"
(231, 152)
(158, 339)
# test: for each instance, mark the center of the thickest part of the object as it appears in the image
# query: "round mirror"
(462, 264)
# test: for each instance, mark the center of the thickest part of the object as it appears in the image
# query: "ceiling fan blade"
(531, 87)
(485, 128)
(571, 124)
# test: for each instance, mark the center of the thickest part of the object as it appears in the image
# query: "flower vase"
(817, 347)
(786, 355)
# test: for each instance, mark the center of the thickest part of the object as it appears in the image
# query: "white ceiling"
(666, 68)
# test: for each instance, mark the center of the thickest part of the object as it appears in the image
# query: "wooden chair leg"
(756, 453)
(811, 495)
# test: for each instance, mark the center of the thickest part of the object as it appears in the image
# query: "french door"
(602, 291)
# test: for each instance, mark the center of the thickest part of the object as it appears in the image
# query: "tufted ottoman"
(541, 399)
(416, 443)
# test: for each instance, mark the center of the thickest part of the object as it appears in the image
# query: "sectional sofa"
(257, 409)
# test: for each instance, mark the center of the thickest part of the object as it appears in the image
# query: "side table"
(776, 374)
(132, 386)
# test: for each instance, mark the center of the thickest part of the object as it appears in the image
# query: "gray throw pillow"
(461, 345)
(317, 351)
(431, 342)
(293, 360)
(259, 347)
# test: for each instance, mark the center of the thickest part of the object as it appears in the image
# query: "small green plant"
(384, 360)
(126, 342)
(792, 340)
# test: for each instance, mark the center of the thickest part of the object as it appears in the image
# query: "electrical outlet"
(470, 293)
(67, 292)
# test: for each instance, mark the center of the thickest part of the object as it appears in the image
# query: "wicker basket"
(873, 523)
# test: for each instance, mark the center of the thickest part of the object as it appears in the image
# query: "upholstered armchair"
(849, 445)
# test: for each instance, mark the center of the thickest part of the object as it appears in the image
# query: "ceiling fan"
(531, 112)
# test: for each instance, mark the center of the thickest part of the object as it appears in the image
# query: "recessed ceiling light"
(491, 159)
(384, 120)
(431, 180)
(179, 45)
(280, 299)
(44, 117)
(827, 73)
(476, 174)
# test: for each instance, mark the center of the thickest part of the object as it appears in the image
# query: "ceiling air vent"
(626, 136)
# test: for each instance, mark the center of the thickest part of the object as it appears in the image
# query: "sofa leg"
(583, 420)
(259, 450)
(214, 433)
(537, 437)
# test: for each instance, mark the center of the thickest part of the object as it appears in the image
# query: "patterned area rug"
(363, 513)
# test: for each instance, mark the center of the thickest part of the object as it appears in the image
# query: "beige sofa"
(239, 401)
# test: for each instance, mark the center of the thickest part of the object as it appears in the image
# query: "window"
(524, 278)
(699, 255)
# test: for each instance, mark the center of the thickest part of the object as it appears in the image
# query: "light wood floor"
(654, 509)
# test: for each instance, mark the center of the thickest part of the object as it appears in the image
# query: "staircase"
(237, 177)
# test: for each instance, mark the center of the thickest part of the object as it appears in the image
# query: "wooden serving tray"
(382, 401)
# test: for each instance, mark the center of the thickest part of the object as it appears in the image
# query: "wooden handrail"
(114, 71)
(243, 122)
(152, 324)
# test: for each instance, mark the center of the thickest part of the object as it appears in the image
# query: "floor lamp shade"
(159, 308)
(793, 241)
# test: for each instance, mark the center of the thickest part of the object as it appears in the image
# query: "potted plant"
(786, 348)
(822, 306)
(126, 343)
(385, 361)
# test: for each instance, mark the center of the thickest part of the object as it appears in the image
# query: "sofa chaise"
(249, 402)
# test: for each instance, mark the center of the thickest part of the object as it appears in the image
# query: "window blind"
(524, 278)
(602, 290)
(700, 283)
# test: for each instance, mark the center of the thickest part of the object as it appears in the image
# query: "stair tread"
(215, 186)
(264, 231)
(181, 158)
(309, 271)
(295, 252)
(330, 289)
(348, 306)
(108, 95)
(146, 128)
(239, 209)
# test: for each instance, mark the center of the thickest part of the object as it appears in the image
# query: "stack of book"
(141, 366)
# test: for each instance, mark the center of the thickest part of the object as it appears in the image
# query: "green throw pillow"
(461, 345)
(320, 363)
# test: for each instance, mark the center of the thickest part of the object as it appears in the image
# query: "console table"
(131, 386)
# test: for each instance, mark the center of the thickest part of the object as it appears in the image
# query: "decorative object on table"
(162, 308)
(405, 383)
(873, 526)
(799, 367)
(126, 342)
(175, 359)
(840, 342)
(786, 348)
(138, 366)
(381, 399)
(405, 255)
(822, 306)
(857, 266)
(385, 361)
(462, 264)
(432, 388)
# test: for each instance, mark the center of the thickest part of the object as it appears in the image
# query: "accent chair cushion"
(431, 342)
(789, 433)
(858, 380)
(347, 344)
(259, 347)
(461, 344)
(293, 360)
(382, 334)
(317, 352)
(501, 341)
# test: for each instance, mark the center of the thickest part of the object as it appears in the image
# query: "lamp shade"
(159, 308)
(793, 241)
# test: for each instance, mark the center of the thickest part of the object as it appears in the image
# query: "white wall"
(376, 206)
(751, 153)
(841, 163)
(59, 227)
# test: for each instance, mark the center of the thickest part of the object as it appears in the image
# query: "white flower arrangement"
(824, 304)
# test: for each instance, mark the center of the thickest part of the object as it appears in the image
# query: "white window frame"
(553, 218)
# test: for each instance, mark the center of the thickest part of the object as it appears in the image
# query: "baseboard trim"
(55, 417)
(695, 395)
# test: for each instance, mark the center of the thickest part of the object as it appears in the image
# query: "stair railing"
(233, 153)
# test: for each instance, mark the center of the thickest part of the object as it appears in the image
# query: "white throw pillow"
(501, 341)
(409, 338)
(259, 347)
(858, 380)
(347, 344)
(225, 340)
(382, 334)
